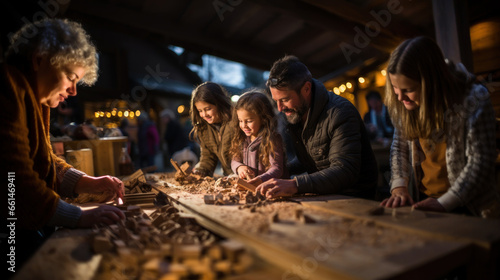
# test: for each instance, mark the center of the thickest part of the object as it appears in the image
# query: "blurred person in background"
(377, 120)
(174, 136)
(148, 140)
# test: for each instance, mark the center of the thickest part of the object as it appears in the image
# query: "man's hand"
(277, 188)
(98, 185)
(429, 204)
(104, 214)
(399, 197)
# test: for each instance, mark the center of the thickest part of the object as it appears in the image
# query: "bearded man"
(332, 147)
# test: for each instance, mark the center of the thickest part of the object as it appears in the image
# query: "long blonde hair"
(421, 59)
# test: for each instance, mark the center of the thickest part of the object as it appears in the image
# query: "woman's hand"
(399, 197)
(104, 214)
(99, 185)
(429, 204)
(245, 172)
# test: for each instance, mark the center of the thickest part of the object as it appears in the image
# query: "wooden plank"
(484, 234)
(442, 225)
(289, 244)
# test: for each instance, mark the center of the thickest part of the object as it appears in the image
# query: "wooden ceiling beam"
(315, 16)
(359, 15)
(178, 34)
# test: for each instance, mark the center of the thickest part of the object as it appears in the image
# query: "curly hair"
(62, 41)
(214, 94)
(259, 104)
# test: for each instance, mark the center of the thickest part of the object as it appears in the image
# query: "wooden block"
(298, 213)
(275, 218)
(158, 220)
(152, 253)
(232, 248)
(244, 184)
(305, 219)
(224, 266)
(209, 199)
(197, 266)
(134, 209)
(184, 167)
(152, 265)
(245, 261)
(178, 269)
(119, 243)
(187, 251)
(215, 252)
(170, 276)
(101, 244)
(177, 167)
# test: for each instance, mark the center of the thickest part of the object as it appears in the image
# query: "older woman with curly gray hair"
(43, 65)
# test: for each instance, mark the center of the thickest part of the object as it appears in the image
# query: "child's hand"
(245, 172)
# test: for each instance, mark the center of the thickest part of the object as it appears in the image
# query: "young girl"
(257, 148)
(445, 125)
(211, 114)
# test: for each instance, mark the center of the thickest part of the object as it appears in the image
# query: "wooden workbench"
(345, 242)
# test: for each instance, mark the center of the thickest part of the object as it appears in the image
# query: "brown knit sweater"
(214, 147)
(26, 150)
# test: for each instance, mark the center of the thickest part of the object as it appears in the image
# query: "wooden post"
(452, 31)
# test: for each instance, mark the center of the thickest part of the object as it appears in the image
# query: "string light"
(361, 80)
(383, 72)
(120, 114)
(137, 113)
(131, 114)
(235, 98)
(342, 88)
(125, 114)
(181, 108)
(348, 85)
(336, 90)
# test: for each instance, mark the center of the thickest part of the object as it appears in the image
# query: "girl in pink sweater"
(257, 148)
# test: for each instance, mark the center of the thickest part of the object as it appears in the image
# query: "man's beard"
(297, 114)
